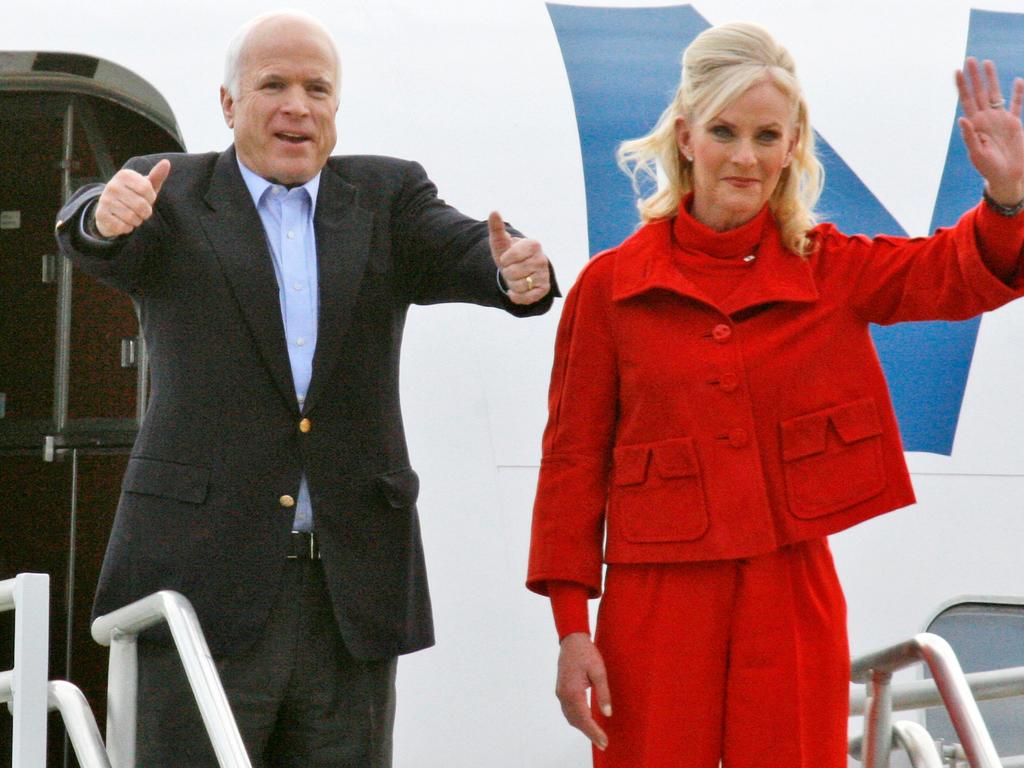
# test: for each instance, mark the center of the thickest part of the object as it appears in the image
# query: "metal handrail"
(915, 741)
(918, 744)
(28, 595)
(956, 752)
(119, 629)
(921, 694)
(79, 723)
(875, 669)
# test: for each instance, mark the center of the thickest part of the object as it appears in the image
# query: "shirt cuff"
(87, 231)
(502, 285)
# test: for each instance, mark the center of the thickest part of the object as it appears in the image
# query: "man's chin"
(291, 175)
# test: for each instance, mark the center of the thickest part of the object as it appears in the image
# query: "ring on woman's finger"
(529, 282)
(998, 104)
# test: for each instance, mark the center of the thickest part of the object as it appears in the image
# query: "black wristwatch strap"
(1003, 210)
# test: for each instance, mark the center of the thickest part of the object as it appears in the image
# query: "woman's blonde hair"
(717, 68)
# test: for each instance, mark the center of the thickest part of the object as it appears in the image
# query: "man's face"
(283, 117)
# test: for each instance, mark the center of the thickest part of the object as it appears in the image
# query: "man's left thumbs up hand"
(522, 263)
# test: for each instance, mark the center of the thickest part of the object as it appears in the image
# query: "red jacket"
(682, 430)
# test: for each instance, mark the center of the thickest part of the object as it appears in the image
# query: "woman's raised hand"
(992, 132)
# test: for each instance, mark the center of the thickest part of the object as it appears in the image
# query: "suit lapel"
(234, 229)
(343, 232)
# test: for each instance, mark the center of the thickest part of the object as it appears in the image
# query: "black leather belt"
(303, 546)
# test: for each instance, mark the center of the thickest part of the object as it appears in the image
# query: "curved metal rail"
(120, 630)
(875, 670)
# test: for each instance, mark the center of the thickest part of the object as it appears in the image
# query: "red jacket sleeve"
(955, 274)
(569, 510)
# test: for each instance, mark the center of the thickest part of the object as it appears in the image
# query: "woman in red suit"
(717, 409)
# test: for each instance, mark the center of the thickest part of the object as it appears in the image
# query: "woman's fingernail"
(606, 710)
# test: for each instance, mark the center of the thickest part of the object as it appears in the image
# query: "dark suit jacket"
(200, 509)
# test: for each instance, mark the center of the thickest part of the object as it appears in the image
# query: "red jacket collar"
(644, 263)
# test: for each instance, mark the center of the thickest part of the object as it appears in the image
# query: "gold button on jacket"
(287, 501)
(305, 425)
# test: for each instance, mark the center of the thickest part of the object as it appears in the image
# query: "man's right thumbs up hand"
(127, 199)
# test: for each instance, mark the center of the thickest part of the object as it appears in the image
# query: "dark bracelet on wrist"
(1003, 210)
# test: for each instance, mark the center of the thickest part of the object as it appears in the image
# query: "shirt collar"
(258, 186)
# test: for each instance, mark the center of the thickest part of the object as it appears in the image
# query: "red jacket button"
(721, 332)
(729, 382)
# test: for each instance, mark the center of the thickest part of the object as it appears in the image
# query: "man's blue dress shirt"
(287, 216)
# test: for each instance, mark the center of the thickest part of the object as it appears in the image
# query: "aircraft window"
(985, 636)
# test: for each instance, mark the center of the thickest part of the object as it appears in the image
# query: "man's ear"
(227, 105)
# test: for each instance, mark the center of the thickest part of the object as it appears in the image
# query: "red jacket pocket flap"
(631, 464)
(856, 421)
(804, 435)
(676, 458)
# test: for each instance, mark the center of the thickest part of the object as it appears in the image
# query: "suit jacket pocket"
(401, 488)
(833, 458)
(657, 492)
(167, 479)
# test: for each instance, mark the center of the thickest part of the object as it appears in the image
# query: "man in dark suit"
(270, 481)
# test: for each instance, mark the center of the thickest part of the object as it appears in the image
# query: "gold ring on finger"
(529, 282)
(997, 104)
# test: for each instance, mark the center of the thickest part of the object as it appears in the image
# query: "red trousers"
(740, 661)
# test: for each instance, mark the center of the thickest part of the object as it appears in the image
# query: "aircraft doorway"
(72, 365)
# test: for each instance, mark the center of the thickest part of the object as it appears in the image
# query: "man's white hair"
(237, 46)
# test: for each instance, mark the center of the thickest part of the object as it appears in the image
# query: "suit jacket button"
(721, 333)
(738, 438)
(287, 501)
(305, 425)
(729, 382)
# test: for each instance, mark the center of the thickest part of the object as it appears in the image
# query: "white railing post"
(122, 695)
(28, 594)
(878, 721)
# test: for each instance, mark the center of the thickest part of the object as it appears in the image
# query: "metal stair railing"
(68, 700)
(924, 694)
(120, 629)
(28, 595)
(27, 692)
(876, 669)
(79, 723)
(921, 749)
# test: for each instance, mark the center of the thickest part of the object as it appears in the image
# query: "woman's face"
(738, 155)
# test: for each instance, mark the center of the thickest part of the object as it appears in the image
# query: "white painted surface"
(477, 92)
